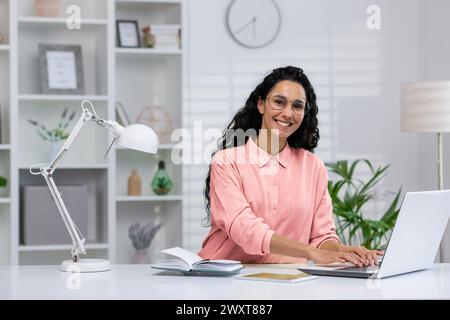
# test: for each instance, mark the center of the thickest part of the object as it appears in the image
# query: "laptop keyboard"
(358, 269)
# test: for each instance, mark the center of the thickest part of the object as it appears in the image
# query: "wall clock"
(253, 23)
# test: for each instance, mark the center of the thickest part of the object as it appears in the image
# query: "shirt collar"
(261, 157)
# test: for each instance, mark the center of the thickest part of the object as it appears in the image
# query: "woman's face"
(282, 109)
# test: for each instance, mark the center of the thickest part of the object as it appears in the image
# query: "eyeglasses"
(279, 102)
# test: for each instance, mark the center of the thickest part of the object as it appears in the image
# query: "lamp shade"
(425, 106)
(138, 137)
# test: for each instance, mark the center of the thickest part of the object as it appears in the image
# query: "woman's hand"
(369, 257)
(326, 257)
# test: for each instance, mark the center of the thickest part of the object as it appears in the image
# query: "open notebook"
(188, 262)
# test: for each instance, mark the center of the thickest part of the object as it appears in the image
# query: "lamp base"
(85, 265)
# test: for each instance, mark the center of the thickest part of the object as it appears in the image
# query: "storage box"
(41, 221)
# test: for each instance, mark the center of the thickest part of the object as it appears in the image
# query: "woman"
(267, 199)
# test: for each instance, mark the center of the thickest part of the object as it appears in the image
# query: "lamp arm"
(85, 116)
(77, 237)
(47, 172)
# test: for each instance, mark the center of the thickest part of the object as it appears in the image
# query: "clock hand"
(254, 27)
(252, 20)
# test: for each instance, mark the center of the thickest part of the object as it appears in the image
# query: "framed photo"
(128, 34)
(61, 69)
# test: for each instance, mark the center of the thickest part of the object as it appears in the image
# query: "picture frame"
(61, 69)
(128, 35)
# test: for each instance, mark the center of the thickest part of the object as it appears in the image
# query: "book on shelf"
(165, 29)
(188, 262)
(166, 36)
(277, 277)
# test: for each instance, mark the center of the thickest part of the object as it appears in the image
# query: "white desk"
(142, 282)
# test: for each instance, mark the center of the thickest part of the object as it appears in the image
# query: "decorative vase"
(53, 150)
(148, 39)
(161, 183)
(141, 256)
(134, 184)
(46, 8)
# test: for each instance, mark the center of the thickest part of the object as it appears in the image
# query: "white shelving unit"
(155, 75)
(42, 22)
(62, 247)
(148, 198)
(5, 142)
(5, 147)
(55, 97)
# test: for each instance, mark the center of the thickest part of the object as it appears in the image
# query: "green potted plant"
(161, 183)
(350, 195)
(3, 184)
(56, 135)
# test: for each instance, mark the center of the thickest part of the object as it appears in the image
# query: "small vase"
(161, 183)
(53, 150)
(134, 184)
(46, 8)
(148, 40)
(141, 256)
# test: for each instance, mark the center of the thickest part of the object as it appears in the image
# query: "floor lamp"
(425, 107)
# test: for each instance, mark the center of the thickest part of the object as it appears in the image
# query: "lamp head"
(137, 137)
(425, 106)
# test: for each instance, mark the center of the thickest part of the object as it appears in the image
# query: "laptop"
(414, 241)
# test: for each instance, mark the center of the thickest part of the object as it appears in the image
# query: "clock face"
(253, 23)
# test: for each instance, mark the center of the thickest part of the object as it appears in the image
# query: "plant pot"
(141, 256)
(46, 8)
(161, 191)
(53, 150)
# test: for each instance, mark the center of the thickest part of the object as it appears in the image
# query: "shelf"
(61, 247)
(4, 48)
(5, 147)
(72, 167)
(149, 198)
(59, 97)
(119, 2)
(147, 52)
(161, 147)
(46, 21)
(5, 200)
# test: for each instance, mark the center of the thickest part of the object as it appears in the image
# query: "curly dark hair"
(249, 118)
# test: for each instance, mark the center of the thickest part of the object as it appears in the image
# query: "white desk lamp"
(426, 108)
(135, 136)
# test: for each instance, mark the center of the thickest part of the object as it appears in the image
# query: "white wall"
(434, 53)
(356, 72)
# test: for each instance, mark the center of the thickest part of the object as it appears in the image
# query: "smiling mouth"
(283, 124)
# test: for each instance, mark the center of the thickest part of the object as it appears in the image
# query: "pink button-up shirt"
(254, 194)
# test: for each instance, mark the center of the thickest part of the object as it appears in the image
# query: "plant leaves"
(349, 196)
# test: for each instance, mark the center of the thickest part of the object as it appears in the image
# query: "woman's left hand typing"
(370, 256)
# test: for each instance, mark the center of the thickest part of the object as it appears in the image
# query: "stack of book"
(167, 36)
